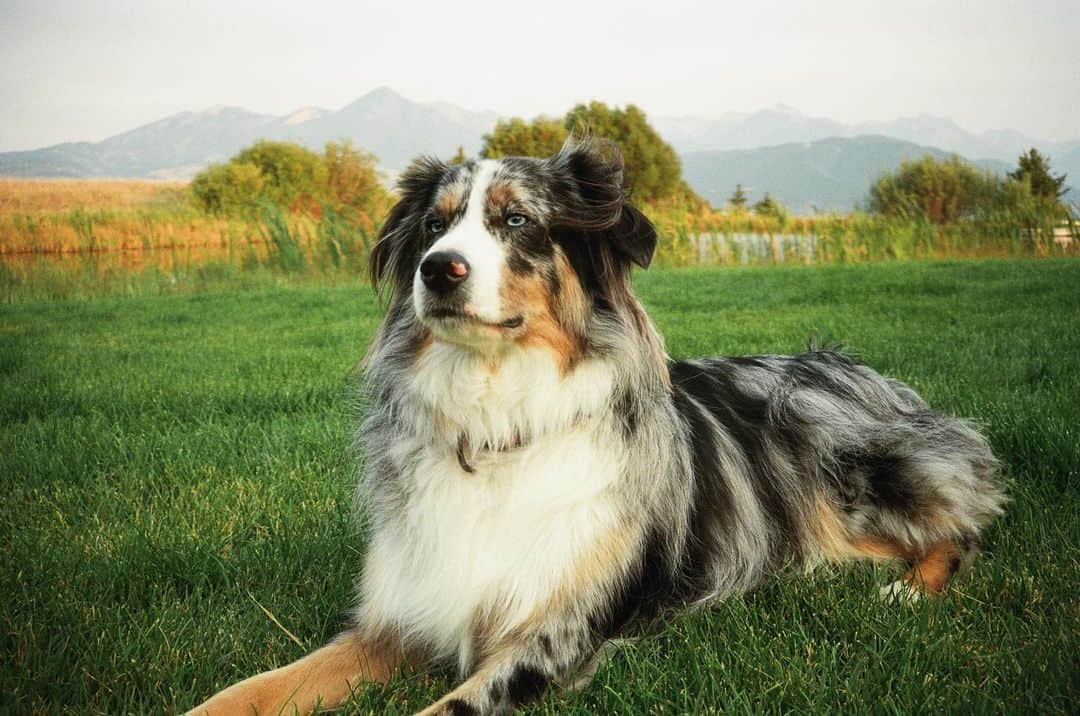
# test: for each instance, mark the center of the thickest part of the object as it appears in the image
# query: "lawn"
(178, 498)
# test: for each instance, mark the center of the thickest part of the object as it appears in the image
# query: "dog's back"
(815, 457)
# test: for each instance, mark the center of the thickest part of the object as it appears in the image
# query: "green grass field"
(176, 471)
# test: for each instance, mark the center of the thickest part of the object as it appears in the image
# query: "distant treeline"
(344, 178)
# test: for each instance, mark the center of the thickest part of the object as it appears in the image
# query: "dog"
(539, 478)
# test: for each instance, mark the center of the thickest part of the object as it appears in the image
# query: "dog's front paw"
(901, 591)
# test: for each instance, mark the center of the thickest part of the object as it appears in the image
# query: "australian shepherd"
(540, 478)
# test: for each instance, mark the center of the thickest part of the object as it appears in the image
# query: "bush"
(352, 181)
(227, 188)
(940, 191)
(295, 178)
(541, 137)
(953, 191)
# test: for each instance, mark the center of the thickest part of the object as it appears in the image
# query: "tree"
(738, 198)
(352, 179)
(459, 157)
(541, 137)
(942, 191)
(770, 207)
(294, 177)
(653, 170)
(224, 188)
(1034, 168)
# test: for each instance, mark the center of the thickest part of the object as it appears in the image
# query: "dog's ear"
(397, 250)
(592, 193)
(635, 236)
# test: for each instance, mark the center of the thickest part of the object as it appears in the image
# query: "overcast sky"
(84, 71)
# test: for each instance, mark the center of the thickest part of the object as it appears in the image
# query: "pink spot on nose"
(457, 269)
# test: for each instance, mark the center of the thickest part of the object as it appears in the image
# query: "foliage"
(293, 176)
(738, 198)
(353, 185)
(653, 170)
(225, 188)
(296, 178)
(1034, 169)
(953, 191)
(770, 207)
(540, 137)
(940, 191)
(459, 156)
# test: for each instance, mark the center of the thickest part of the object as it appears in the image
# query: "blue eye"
(516, 220)
(435, 226)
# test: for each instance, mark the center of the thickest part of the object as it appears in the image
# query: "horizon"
(1010, 69)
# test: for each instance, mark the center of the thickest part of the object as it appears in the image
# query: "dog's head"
(499, 251)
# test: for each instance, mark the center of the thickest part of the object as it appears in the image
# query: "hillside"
(828, 174)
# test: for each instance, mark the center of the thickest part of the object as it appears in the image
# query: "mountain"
(804, 161)
(394, 128)
(827, 174)
(782, 124)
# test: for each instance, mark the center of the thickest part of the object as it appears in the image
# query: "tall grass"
(80, 238)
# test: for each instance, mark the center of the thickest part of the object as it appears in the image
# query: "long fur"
(535, 490)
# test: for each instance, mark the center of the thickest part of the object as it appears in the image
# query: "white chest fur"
(494, 544)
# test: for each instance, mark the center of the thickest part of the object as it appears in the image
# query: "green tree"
(459, 157)
(942, 191)
(296, 178)
(1034, 168)
(541, 137)
(738, 198)
(293, 176)
(224, 188)
(352, 179)
(768, 206)
(653, 169)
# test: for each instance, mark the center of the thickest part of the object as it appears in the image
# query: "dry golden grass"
(34, 195)
(71, 216)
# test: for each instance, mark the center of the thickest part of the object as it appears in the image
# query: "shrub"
(352, 180)
(227, 188)
(541, 137)
(941, 191)
(293, 176)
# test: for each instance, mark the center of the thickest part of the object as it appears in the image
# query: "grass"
(176, 464)
(81, 238)
(25, 195)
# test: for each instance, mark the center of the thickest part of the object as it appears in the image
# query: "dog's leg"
(521, 671)
(930, 569)
(323, 679)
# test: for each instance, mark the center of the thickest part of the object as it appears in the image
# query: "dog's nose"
(443, 270)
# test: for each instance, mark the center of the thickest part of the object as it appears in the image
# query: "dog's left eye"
(516, 220)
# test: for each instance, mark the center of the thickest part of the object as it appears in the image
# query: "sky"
(87, 70)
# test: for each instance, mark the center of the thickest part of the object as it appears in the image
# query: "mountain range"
(382, 121)
(804, 161)
(828, 174)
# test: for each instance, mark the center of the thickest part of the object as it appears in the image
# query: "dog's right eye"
(435, 226)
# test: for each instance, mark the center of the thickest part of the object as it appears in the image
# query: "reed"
(86, 237)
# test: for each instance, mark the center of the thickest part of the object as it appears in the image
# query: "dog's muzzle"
(443, 271)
